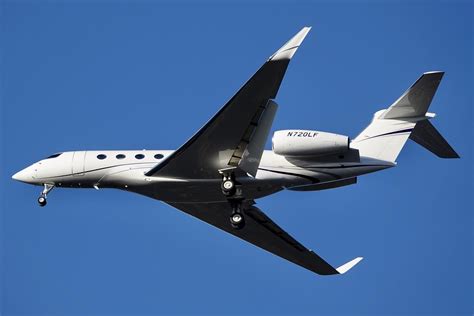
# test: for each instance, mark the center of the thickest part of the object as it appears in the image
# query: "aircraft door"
(78, 163)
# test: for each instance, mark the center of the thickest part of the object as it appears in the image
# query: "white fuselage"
(125, 170)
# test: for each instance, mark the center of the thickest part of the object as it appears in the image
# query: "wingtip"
(289, 49)
(349, 265)
(433, 72)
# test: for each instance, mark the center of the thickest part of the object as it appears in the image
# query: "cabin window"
(101, 156)
(158, 156)
(120, 156)
(139, 156)
(54, 155)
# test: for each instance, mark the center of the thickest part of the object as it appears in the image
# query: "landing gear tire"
(228, 187)
(42, 201)
(237, 221)
(47, 187)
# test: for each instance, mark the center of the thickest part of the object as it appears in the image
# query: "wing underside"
(261, 231)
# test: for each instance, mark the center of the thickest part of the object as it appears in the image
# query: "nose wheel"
(42, 198)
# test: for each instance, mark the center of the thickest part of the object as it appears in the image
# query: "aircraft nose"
(23, 176)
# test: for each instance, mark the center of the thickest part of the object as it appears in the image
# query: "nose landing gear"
(42, 198)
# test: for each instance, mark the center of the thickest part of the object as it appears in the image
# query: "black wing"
(261, 231)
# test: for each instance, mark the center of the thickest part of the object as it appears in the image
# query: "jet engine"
(297, 143)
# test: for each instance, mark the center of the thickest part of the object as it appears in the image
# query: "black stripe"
(346, 167)
(92, 170)
(336, 176)
(390, 133)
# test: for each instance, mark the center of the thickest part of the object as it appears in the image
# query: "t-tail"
(408, 117)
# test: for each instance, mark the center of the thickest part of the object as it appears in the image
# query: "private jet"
(219, 172)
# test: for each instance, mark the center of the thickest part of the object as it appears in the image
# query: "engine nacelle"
(297, 143)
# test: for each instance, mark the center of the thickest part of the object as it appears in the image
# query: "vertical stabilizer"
(383, 139)
(417, 99)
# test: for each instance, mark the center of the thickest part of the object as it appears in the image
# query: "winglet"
(349, 265)
(289, 49)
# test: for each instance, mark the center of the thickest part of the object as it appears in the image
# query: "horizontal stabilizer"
(426, 135)
(349, 265)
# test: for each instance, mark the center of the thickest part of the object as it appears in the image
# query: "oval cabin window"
(101, 156)
(139, 156)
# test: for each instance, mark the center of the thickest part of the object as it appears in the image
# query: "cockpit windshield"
(54, 155)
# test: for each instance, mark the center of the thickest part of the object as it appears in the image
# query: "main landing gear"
(231, 189)
(237, 220)
(228, 184)
(44, 193)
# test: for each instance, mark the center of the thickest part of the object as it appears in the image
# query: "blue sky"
(123, 75)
